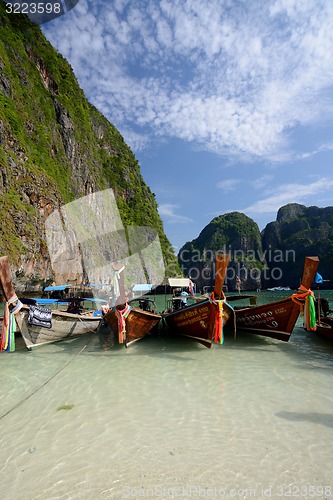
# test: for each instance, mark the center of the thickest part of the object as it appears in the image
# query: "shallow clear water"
(167, 418)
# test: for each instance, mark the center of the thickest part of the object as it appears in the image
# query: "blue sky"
(227, 104)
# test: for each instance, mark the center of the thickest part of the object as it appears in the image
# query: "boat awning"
(179, 282)
(44, 302)
(56, 288)
(142, 287)
(97, 300)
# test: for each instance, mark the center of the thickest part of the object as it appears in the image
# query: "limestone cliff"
(305, 231)
(55, 147)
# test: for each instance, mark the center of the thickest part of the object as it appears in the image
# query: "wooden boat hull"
(327, 320)
(324, 329)
(137, 324)
(197, 321)
(275, 319)
(64, 326)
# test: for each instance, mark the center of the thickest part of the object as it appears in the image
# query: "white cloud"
(228, 185)
(289, 193)
(234, 77)
(321, 149)
(262, 181)
(168, 211)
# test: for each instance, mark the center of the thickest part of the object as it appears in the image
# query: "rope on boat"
(307, 308)
(92, 330)
(46, 382)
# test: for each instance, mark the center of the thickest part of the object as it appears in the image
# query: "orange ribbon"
(306, 295)
(218, 329)
(122, 315)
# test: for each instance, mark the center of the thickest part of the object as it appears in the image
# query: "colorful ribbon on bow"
(122, 314)
(308, 309)
(218, 328)
(7, 342)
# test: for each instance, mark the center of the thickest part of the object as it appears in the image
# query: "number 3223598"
(33, 8)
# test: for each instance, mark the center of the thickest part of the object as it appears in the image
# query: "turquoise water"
(168, 418)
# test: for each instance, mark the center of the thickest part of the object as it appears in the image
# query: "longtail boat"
(202, 321)
(131, 320)
(38, 325)
(277, 319)
(323, 326)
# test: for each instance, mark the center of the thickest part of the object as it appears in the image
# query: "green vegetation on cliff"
(55, 146)
(230, 232)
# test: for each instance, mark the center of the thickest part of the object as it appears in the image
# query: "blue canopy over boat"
(44, 301)
(142, 287)
(57, 288)
(103, 301)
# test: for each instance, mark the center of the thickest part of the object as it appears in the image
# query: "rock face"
(54, 148)
(297, 232)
